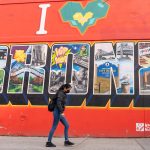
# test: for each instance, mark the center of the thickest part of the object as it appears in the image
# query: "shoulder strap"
(55, 96)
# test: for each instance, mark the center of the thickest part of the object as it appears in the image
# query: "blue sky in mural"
(74, 47)
(76, 67)
(3, 47)
(127, 69)
(29, 50)
(16, 64)
(56, 67)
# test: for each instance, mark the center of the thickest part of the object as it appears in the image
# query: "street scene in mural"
(79, 71)
(125, 57)
(3, 60)
(119, 67)
(144, 61)
(27, 58)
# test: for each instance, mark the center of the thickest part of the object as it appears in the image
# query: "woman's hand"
(62, 114)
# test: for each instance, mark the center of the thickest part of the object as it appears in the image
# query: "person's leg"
(56, 115)
(66, 125)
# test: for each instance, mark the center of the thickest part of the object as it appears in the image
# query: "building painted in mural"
(103, 53)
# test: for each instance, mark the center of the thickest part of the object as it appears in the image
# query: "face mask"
(68, 91)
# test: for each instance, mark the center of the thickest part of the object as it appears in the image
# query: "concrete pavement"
(38, 143)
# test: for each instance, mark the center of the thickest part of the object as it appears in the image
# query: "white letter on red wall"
(43, 18)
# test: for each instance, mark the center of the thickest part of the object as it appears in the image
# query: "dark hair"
(67, 85)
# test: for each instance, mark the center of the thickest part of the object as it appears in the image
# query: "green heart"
(81, 17)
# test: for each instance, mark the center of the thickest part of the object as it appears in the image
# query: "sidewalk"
(38, 143)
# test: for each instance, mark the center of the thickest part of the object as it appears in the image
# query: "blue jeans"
(58, 117)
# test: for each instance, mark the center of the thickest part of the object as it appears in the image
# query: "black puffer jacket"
(61, 100)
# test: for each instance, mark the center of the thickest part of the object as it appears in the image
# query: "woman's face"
(67, 90)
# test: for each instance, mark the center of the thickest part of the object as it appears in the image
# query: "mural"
(144, 61)
(79, 67)
(99, 73)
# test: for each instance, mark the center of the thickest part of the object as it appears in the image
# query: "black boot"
(68, 143)
(50, 144)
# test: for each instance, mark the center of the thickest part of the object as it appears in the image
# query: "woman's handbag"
(51, 105)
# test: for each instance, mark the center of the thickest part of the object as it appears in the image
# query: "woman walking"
(58, 114)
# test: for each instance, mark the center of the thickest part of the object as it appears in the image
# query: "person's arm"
(59, 102)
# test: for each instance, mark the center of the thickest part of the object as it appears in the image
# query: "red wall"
(125, 20)
(94, 122)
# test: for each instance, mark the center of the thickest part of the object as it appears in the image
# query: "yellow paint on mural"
(60, 56)
(82, 19)
(20, 56)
